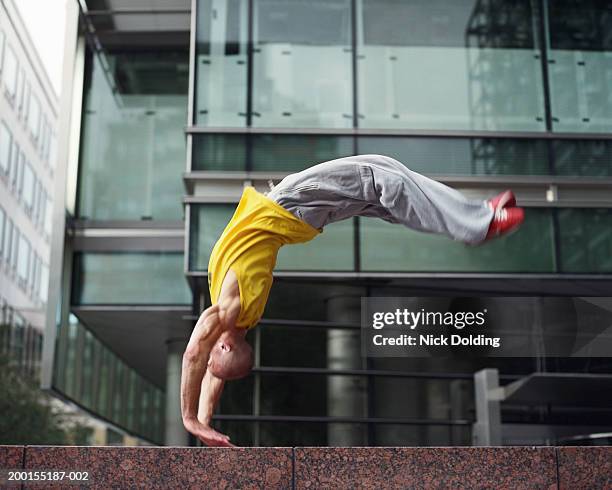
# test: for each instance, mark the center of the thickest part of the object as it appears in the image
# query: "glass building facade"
(482, 95)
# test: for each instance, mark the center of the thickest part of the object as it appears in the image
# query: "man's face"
(231, 357)
(219, 351)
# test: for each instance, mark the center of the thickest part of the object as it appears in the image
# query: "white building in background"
(28, 122)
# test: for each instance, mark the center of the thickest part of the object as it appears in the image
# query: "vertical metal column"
(487, 428)
(346, 396)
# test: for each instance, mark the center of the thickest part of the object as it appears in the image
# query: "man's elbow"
(193, 353)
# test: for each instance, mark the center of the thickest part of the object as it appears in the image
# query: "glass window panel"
(15, 247)
(20, 95)
(286, 299)
(8, 240)
(293, 39)
(48, 216)
(585, 240)
(28, 186)
(221, 63)
(292, 346)
(142, 415)
(6, 140)
(17, 160)
(332, 250)
(279, 395)
(219, 152)
(449, 65)
(2, 40)
(207, 223)
(87, 370)
(3, 230)
(44, 282)
(33, 266)
(131, 400)
(71, 350)
(267, 152)
(462, 156)
(52, 158)
(118, 391)
(583, 157)
(292, 153)
(133, 141)
(34, 117)
(580, 65)
(130, 278)
(530, 249)
(9, 71)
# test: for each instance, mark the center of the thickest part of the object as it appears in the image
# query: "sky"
(45, 21)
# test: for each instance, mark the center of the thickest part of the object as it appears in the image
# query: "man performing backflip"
(296, 211)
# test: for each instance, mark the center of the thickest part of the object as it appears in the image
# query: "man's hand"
(206, 434)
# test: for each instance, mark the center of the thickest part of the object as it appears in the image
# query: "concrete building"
(168, 112)
(28, 143)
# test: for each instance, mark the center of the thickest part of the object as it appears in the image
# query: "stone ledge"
(585, 467)
(316, 468)
(446, 467)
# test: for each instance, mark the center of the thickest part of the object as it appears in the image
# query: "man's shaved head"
(231, 356)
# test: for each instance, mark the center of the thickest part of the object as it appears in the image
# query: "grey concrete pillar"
(487, 428)
(176, 435)
(346, 395)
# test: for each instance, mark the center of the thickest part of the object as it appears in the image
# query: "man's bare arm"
(212, 387)
(195, 359)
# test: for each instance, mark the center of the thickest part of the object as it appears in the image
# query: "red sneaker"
(505, 220)
(504, 199)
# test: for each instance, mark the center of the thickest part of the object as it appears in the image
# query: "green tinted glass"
(133, 141)
(387, 247)
(585, 240)
(130, 278)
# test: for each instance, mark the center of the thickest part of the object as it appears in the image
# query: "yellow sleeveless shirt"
(249, 246)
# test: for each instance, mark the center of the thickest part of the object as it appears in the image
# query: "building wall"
(28, 122)
(481, 95)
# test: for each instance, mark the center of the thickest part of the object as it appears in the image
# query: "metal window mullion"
(544, 45)
(405, 132)
(341, 420)
(370, 373)
(95, 378)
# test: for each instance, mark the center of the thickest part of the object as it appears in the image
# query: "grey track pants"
(381, 187)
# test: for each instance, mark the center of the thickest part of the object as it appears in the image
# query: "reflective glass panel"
(332, 250)
(129, 278)
(585, 240)
(267, 152)
(219, 152)
(302, 64)
(388, 247)
(133, 141)
(580, 65)
(6, 140)
(435, 64)
(221, 63)
(292, 153)
(462, 156)
(207, 223)
(583, 157)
